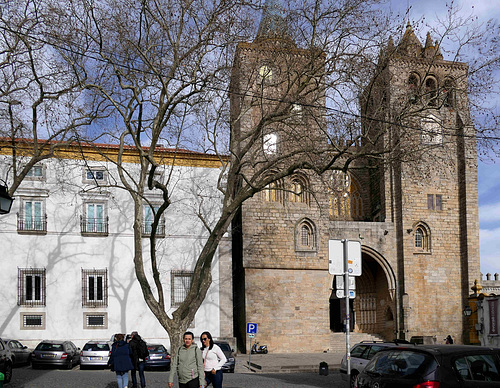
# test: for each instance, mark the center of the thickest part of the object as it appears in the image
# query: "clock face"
(432, 131)
(266, 73)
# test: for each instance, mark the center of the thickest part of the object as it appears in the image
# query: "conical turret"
(273, 26)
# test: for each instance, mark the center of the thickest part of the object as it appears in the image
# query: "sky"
(489, 169)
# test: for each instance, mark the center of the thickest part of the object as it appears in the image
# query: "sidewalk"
(287, 362)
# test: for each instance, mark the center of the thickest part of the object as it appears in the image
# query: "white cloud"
(490, 250)
(489, 213)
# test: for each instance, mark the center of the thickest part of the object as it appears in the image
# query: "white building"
(67, 260)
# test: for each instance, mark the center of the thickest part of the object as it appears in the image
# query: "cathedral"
(416, 220)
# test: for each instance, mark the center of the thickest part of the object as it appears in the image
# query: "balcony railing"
(94, 226)
(36, 225)
(147, 228)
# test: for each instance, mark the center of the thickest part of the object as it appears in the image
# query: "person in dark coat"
(138, 359)
(120, 360)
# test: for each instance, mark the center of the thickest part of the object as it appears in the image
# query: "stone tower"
(429, 190)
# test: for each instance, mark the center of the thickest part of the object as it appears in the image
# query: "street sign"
(340, 294)
(339, 282)
(335, 257)
(251, 328)
(354, 258)
(251, 335)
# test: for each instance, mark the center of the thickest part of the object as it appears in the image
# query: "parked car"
(95, 353)
(229, 353)
(158, 357)
(5, 362)
(55, 353)
(20, 354)
(432, 366)
(361, 354)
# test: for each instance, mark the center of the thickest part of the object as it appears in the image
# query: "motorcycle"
(262, 349)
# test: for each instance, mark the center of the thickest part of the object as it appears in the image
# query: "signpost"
(344, 258)
(251, 331)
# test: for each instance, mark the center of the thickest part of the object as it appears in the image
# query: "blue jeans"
(215, 379)
(140, 368)
(122, 379)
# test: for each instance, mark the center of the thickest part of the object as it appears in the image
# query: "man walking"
(139, 354)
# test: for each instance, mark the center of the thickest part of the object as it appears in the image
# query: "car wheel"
(34, 365)
(8, 373)
(353, 378)
(70, 364)
(231, 370)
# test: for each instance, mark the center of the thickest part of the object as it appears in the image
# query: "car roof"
(442, 349)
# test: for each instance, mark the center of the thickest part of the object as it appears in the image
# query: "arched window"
(449, 93)
(431, 90)
(345, 197)
(305, 236)
(413, 85)
(273, 192)
(422, 237)
(299, 190)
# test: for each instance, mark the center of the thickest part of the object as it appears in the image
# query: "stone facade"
(417, 220)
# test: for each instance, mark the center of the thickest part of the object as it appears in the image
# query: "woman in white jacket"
(213, 359)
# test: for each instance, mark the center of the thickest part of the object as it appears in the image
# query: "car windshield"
(156, 349)
(399, 363)
(224, 347)
(53, 347)
(96, 347)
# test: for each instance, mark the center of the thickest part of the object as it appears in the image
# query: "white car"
(95, 353)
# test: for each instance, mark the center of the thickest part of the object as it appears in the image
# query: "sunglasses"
(204, 339)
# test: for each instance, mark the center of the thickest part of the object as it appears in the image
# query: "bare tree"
(43, 105)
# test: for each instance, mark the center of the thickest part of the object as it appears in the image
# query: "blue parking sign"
(251, 328)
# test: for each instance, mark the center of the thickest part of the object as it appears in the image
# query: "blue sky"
(489, 170)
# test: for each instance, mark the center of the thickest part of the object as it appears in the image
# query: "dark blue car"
(158, 357)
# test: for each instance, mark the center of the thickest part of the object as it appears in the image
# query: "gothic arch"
(274, 191)
(421, 236)
(449, 92)
(300, 188)
(345, 202)
(431, 87)
(306, 236)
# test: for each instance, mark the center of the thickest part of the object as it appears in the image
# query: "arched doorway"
(373, 311)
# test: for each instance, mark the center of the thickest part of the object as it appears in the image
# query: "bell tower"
(428, 186)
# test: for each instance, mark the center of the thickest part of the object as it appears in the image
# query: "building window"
(270, 143)
(273, 192)
(32, 321)
(413, 86)
(434, 202)
(149, 216)
(422, 238)
(94, 287)
(345, 197)
(95, 175)
(181, 283)
(300, 189)
(431, 91)
(94, 220)
(32, 217)
(31, 287)
(449, 93)
(95, 320)
(305, 236)
(36, 173)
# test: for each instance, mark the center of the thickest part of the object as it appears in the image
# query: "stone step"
(338, 340)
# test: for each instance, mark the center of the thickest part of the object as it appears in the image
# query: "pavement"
(287, 362)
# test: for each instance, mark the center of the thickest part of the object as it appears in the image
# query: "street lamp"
(467, 311)
(5, 199)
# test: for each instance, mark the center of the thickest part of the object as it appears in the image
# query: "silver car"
(55, 353)
(95, 353)
(361, 354)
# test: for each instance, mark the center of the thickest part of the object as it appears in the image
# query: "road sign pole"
(347, 312)
(250, 354)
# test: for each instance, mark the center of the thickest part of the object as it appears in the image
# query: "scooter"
(262, 349)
